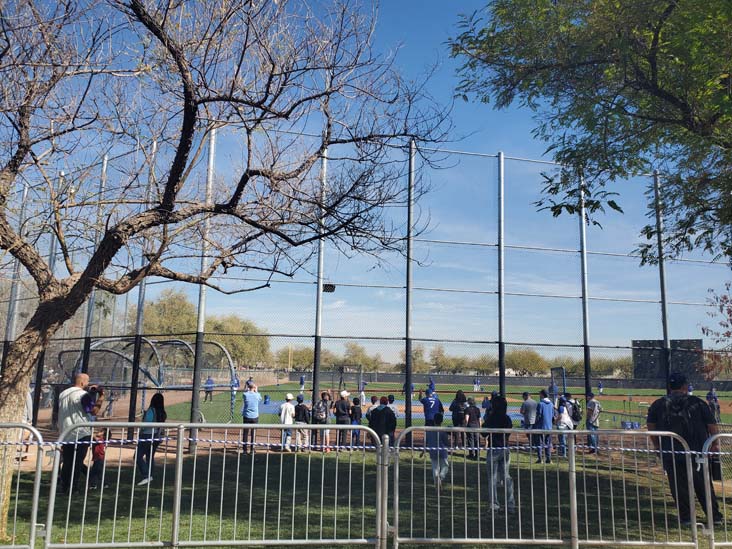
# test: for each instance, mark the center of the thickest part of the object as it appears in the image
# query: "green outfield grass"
(635, 403)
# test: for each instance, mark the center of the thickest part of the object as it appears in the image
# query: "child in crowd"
(99, 450)
(356, 415)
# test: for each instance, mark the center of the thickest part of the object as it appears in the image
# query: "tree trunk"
(14, 385)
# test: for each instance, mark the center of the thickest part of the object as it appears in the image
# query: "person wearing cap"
(250, 415)
(431, 406)
(287, 417)
(713, 402)
(593, 421)
(342, 412)
(691, 419)
(302, 417)
(355, 415)
(392, 405)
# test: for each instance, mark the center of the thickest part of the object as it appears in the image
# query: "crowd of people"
(545, 420)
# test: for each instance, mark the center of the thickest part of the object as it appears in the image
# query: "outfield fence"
(223, 485)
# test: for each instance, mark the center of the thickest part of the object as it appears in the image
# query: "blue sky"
(462, 206)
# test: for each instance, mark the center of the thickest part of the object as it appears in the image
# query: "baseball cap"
(591, 395)
(289, 396)
(677, 380)
(428, 392)
(300, 398)
(345, 393)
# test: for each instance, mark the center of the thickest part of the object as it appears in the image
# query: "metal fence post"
(572, 474)
(666, 352)
(383, 498)
(501, 269)
(585, 292)
(178, 487)
(317, 342)
(408, 381)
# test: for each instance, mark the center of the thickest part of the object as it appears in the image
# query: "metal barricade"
(716, 461)
(634, 488)
(21, 459)
(242, 485)
(536, 488)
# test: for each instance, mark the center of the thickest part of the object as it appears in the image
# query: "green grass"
(620, 496)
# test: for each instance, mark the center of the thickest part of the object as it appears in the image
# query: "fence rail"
(223, 485)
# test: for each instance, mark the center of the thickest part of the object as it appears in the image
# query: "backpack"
(679, 420)
(320, 411)
(576, 411)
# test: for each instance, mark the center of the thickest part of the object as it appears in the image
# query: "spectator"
(250, 415)
(437, 443)
(499, 455)
(302, 417)
(356, 414)
(287, 417)
(393, 406)
(528, 411)
(321, 412)
(692, 420)
(574, 410)
(486, 404)
(75, 406)
(99, 450)
(302, 384)
(543, 421)
(147, 444)
(383, 420)
(431, 405)
(564, 423)
(208, 387)
(593, 421)
(374, 405)
(472, 420)
(457, 408)
(343, 416)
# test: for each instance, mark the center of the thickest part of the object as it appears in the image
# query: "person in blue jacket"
(544, 420)
(431, 405)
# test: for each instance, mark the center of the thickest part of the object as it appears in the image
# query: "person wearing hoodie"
(383, 420)
(544, 421)
(472, 420)
(564, 423)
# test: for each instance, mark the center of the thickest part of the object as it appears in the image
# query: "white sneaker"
(144, 481)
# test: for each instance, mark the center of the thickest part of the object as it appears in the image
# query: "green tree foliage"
(172, 313)
(618, 88)
(300, 358)
(526, 362)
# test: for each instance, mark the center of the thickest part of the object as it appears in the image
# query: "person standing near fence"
(690, 418)
(343, 416)
(564, 423)
(713, 402)
(437, 443)
(431, 406)
(76, 405)
(499, 455)
(356, 415)
(544, 420)
(250, 415)
(472, 420)
(593, 421)
(147, 445)
(287, 417)
(457, 408)
(302, 417)
(382, 420)
(321, 412)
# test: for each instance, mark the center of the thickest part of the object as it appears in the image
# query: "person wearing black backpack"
(690, 418)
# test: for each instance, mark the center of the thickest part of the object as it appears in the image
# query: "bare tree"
(144, 83)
